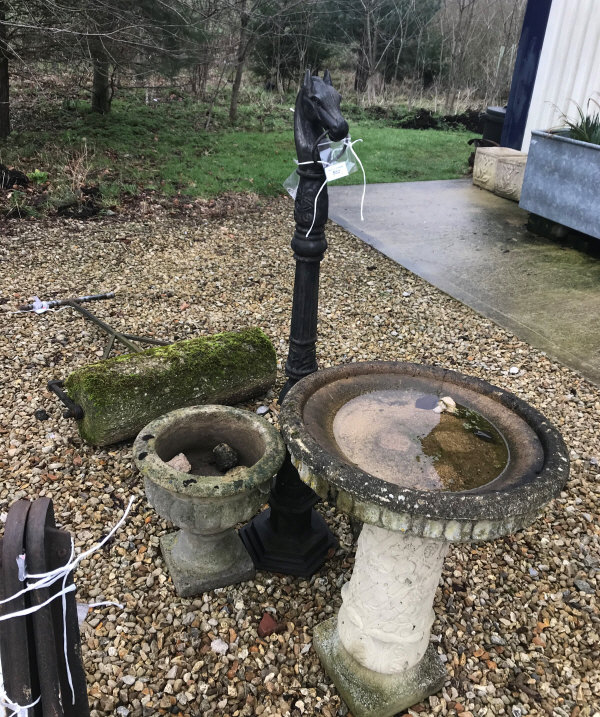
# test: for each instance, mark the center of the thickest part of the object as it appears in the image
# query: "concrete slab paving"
(475, 247)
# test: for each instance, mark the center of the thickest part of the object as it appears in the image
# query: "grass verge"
(165, 148)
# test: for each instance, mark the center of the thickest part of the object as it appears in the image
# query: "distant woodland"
(451, 54)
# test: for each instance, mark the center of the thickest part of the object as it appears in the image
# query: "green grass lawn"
(261, 161)
(165, 148)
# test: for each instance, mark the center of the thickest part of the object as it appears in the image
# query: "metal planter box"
(562, 182)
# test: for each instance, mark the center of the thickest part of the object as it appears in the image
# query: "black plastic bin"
(493, 121)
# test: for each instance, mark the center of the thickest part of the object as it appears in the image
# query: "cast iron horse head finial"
(317, 114)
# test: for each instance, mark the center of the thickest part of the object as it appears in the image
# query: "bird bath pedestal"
(207, 502)
(424, 457)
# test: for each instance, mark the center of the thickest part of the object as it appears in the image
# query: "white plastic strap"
(35, 608)
(362, 201)
(331, 176)
(72, 564)
(21, 567)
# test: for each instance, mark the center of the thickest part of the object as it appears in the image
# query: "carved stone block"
(486, 164)
(509, 176)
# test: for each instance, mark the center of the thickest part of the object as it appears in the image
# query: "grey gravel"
(517, 633)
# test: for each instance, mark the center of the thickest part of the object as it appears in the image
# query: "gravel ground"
(517, 621)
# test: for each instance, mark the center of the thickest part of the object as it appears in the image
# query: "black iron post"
(308, 253)
(290, 536)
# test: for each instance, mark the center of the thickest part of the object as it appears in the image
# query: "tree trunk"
(365, 54)
(241, 60)
(4, 77)
(101, 95)
(199, 78)
(235, 91)
(361, 76)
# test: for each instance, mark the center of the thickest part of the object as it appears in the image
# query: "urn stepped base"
(373, 694)
(192, 579)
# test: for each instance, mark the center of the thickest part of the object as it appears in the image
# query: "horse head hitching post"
(291, 537)
(317, 115)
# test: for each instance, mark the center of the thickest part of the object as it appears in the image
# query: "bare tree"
(110, 34)
(4, 75)
(460, 30)
(477, 45)
(244, 13)
(253, 20)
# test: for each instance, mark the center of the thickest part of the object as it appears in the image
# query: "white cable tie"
(33, 311)
(348, 143)
(18, 710)
(315, 207)
(39, 306)
(67, 569)
(82, 556)
(324, 164)
(46, 580)
(64, 601)
(65, 645)
(43, 580)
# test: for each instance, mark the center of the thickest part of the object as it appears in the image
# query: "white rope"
(44, 580)
(326, 164)
(86, 553)
(321, 188)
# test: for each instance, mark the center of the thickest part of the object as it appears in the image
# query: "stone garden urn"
(206, 497)
(424, 457)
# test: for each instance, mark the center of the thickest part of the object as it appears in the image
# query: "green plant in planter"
(586, 128)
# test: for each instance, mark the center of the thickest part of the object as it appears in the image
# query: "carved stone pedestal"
(374, 694)
(377, 650)
(197, 563)
(206, 503)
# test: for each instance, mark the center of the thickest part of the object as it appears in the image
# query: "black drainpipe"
(524, 74)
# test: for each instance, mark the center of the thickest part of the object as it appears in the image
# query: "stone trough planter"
(561, 181)
(425, 457)
(206, 502)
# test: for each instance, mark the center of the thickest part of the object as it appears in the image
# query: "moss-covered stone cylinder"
(122, 394)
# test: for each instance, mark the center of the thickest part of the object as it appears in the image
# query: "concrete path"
(474, 246)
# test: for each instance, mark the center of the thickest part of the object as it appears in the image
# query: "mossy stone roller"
(122, 394)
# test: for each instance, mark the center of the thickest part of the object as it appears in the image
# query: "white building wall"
(569, 67)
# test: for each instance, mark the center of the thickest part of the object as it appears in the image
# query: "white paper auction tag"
(336, 171)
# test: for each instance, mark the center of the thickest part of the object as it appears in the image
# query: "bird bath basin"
(425, 457)
(206, 502)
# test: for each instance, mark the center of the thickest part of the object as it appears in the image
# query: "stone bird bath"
(425, 457)
(206, 503)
